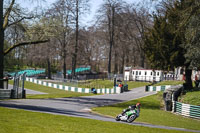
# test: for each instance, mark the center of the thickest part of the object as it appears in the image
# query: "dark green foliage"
(192, 34)
(163, 42)
(174, 38)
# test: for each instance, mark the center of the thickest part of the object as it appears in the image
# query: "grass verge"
(133, 84)
(170, 82)
(192, 97)
(52, 92)
(151, 113)
(20, 121)
(102, 84)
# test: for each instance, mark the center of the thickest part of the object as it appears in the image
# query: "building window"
(151, 73)
(139, 72)
(154, 74)
(136, 72)
(158, 73)
(145, 73)
(133, 72)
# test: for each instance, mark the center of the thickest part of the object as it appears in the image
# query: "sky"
(85, 20)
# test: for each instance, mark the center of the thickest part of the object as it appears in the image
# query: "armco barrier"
(186, 110)
(157, 88)
(115, 90)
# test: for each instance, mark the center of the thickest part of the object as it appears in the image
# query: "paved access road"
(80, 106)
(80, 103)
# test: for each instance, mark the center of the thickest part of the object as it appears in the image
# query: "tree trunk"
(74, 58)
(109, 58)
(116, 63)
(127, 58)
(188, 80)
(64, 67)
(49, 68)
(142, 59)
(122, 64)
(111, 32)
(110, 50)
(1, 44)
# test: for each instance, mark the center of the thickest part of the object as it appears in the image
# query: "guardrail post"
(174, 106)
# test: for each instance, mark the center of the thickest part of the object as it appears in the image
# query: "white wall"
(126, 75)
(146, 75)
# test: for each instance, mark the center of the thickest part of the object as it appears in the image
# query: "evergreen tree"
(169, 42)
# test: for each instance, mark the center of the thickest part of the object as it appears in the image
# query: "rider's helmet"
(138, 105)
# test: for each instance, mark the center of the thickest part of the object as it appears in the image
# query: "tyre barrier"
(187, 110)
(115, 90)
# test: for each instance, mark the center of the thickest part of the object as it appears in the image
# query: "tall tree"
(74, 57)
(1, 43)
(107, 19)
(60, 17)
(4, 24)
(173, 39)
(80, 7)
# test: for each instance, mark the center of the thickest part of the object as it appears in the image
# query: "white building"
(170, 76)
(180, 73)
(148, 75)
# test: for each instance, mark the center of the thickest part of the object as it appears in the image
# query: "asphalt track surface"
(80, 106)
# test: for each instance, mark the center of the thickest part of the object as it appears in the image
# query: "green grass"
(151, 113)
(99, 83)
(174, 82)
(133, 84)
(52, 92)
(103, 84)
(191, 98)
(20, 121)
(91, 84)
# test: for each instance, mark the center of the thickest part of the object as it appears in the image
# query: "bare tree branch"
(23, 44)
(7, 14)
(19, 20)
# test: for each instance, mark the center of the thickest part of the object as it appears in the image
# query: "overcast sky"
(94, 5)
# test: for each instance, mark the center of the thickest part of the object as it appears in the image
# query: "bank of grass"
(192, 97)
(151, 113)
(51, 92)
(170, 82)
(20, 121)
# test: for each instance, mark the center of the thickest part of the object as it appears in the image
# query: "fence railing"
(18, 86)
(188, 110)
(83, 76)
(113, 90)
